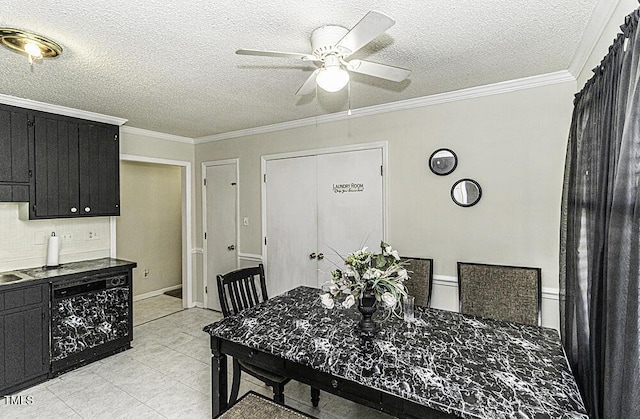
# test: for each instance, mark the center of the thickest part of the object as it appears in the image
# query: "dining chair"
(510, 293)
(420, 279)
(237, 291)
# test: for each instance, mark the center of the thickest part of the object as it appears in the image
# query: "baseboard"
(155, 293)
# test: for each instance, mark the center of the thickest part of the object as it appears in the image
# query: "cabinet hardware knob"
(87, 209)
(312, 255)
(74, 209)
(320, 256)
(334, 383)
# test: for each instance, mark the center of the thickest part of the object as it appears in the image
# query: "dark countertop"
(460, 364)
(68, 269)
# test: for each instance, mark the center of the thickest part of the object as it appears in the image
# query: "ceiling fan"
(332, 45)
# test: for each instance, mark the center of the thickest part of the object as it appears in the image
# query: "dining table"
(441, 364)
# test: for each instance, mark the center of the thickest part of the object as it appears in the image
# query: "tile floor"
(155, 307)
(165, 375)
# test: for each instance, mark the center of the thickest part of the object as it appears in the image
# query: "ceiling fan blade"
(383, 71)
(370, 26)
(309, 86)
(278, 54)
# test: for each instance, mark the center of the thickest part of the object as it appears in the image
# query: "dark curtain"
(600, 234)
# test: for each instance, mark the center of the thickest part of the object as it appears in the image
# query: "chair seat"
(252, 369)
(255, 406)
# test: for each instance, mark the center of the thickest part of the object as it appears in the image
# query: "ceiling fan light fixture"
(31, 44)
(332, 79)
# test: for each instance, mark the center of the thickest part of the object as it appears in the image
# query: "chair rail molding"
(452, 281)
(250, 257)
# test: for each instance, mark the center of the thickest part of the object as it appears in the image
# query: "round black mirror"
(466, 192)
(443, 161)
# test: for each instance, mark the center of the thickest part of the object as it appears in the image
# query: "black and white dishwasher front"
(91, 318)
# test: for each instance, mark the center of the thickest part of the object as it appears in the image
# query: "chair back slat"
(250, 291)
(510, 293)
(420, 279)
(237, 289)
(244, 286)
(235, 297)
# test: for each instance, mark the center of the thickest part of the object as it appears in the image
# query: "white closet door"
(350, 206)
(291, 223)
(222, 252)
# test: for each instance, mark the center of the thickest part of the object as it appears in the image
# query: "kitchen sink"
(7, 277)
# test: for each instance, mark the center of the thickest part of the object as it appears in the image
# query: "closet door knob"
(312, 255)
(320, 256)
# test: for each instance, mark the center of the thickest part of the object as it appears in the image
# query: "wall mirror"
(466, 192)
(443, 161)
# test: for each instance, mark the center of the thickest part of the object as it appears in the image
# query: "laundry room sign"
(348, 187)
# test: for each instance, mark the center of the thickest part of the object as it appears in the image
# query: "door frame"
(382, 145)
(205, 251)
(186, 176)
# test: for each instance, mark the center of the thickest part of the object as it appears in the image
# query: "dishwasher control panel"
(117, 281)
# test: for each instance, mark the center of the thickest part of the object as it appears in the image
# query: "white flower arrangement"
(382, 275)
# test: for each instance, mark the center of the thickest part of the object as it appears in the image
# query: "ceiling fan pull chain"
(349, 97)
(317, 110)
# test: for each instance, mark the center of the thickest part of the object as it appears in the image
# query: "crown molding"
(60, 110)
(594, 30)
(154, 134)
(463, 94)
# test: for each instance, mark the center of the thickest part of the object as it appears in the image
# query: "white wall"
(149, 229)
(513, 144)
(23, 244)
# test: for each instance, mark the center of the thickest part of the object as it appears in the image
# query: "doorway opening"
(153, 230)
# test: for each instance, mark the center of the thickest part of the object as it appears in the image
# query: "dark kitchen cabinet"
(15, 133)
(76, 165)
(24, 337)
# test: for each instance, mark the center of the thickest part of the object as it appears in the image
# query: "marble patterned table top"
(72, 268)
(463, 365)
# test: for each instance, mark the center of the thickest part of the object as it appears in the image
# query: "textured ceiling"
(170, 66)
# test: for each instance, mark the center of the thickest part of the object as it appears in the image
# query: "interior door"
(318, 209)
(291, 224)
(350, 206)
(221, 226)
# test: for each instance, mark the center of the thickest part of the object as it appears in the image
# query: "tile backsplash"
(23, 243)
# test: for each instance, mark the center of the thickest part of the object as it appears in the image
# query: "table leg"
(315, 396)
(218, 383)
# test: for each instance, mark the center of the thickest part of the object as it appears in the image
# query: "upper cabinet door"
(14, 146)
(56, 189)
(99, 169)
(76, 168)
(15, 137)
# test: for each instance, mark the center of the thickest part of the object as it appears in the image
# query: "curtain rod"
(627, 30)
